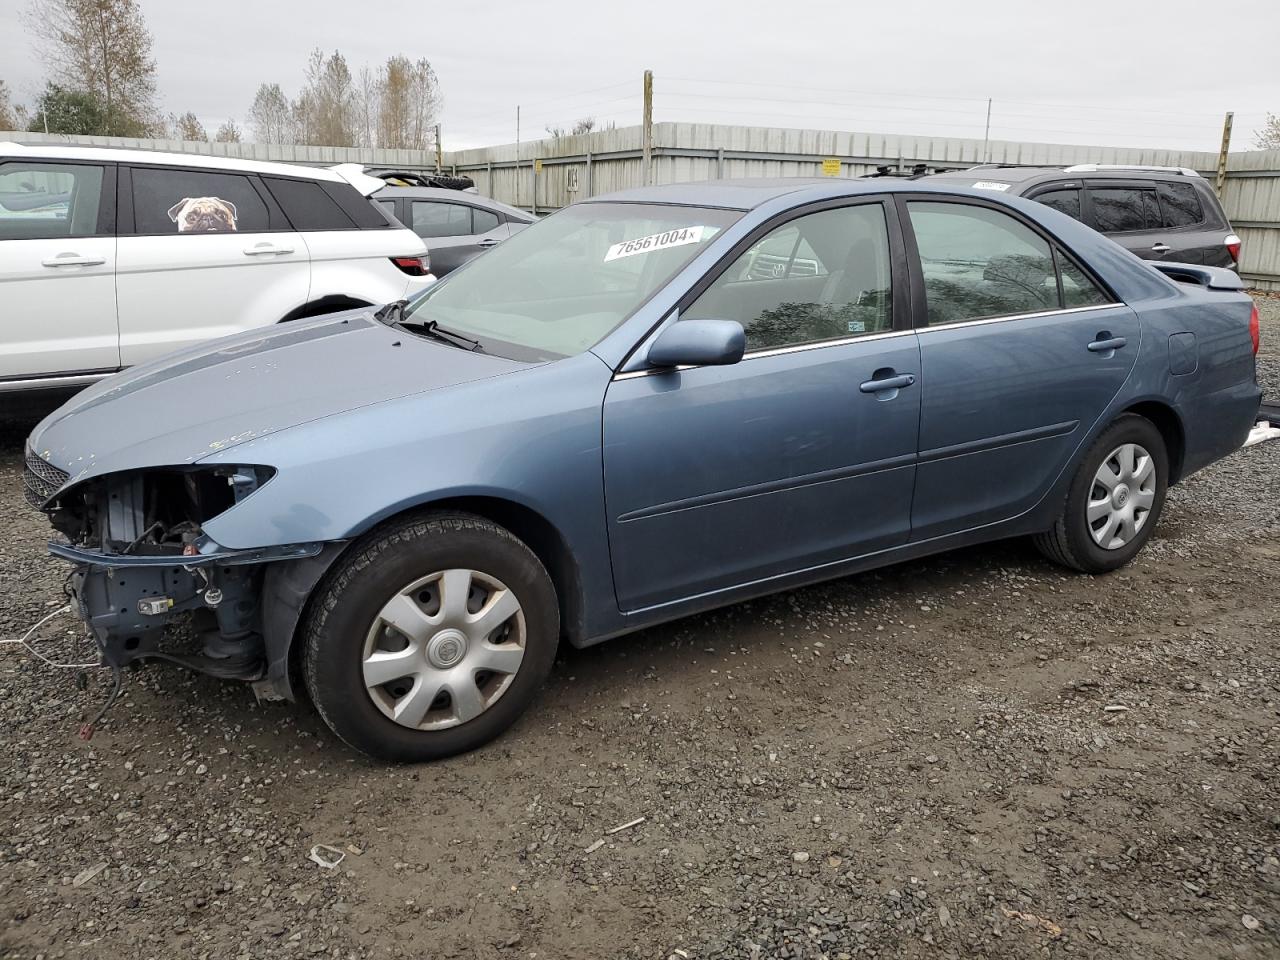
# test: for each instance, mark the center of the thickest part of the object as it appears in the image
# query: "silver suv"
(447, 212)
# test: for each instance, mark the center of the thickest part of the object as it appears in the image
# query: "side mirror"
(698, 343)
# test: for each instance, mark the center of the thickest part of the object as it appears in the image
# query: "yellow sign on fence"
(831, 167)
(537, 166)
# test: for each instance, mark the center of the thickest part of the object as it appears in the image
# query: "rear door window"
(49, 200)
(1117, 209)
(1179, 204)
(979, 263)
(1064, 201)
(432, 219)
(483, 220)
(195, 202)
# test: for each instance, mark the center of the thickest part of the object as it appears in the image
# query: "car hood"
(214, 396)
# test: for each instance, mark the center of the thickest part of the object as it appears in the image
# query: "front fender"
(532, 438)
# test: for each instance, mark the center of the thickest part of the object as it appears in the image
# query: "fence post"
(589, 181)
(1222, 153)
(439, 154)
(646, 149)
(720, 163)
(533, 184)
(488, 178)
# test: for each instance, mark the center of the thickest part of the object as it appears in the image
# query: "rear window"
(1180, 204)
(307, 206)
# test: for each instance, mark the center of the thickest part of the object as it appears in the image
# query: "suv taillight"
(1233, 246)
(1255, 329)
(413, 266)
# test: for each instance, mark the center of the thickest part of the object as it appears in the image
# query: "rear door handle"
(259, 249)
(491, 242)
(1107, 345)
(73, 260)
(884, 384)
(1160, 248)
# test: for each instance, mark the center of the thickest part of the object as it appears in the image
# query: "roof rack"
(915, 173)
(1095, 167)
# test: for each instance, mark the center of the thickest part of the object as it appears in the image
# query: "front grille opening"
(41, 479)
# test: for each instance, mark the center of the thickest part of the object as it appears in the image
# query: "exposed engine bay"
(141, 557)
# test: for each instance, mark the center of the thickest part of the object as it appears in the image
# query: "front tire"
(1114, 501)
(430, 638)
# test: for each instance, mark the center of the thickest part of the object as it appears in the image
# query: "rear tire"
(430, 638)
(1114, 501)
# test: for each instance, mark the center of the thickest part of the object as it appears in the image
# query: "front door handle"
(73, 260)
(1105, 343)
(490, 242)
(260, 249)
(1160, 248)
(886, 384)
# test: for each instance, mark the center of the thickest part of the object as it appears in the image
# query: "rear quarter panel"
(357, 264)
(1197, 355)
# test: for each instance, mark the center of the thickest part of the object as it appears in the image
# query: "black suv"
(1158, 213)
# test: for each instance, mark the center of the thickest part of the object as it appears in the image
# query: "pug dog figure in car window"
(203, 215)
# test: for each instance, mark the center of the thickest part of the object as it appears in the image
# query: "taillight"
(1255, 329)
(1233, 246)
(413, 266)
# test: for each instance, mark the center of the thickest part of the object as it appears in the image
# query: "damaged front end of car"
(140, 557)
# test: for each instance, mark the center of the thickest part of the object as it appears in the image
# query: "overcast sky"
(1117, 72)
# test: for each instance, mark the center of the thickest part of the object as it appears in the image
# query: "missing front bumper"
(126, 601)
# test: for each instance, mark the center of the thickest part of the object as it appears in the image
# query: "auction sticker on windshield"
(676, 237)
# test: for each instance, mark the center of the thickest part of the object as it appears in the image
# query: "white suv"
(109, 257)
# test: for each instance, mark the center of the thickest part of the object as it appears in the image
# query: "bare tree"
(327, 107)
(270, 117)
(410, 104)
(101, 47)
(368, 106)
(1268, 138)
(8, 116)
(229, 132)
(187, 127)
(582, 125)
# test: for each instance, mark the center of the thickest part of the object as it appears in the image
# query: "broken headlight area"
(141, 557)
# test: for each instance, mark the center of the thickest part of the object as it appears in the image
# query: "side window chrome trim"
(1020, 316)
(775, 352)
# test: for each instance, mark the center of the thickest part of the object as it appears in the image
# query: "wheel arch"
(290, 587)
(331, 303)
(1166, 420)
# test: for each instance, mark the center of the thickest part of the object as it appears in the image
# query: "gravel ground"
(973, 755)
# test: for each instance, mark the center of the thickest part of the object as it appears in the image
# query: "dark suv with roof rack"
(1157, 213)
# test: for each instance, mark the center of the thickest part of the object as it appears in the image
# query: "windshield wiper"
(393, 315)
(433, 329)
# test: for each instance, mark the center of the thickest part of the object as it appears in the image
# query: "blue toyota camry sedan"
(646, 405)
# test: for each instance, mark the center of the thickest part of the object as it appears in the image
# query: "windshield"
(559, 286)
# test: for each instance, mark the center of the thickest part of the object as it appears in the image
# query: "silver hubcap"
(444, 649)
(1123, 492)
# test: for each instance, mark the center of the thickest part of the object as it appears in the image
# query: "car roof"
(744, 194)
(59, 151)
(453, 196)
